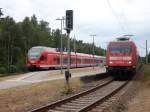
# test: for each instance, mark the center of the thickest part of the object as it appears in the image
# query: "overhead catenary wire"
(120, 19)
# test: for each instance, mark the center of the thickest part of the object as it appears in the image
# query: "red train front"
(121, 56)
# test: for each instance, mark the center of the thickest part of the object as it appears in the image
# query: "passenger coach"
(48, 58)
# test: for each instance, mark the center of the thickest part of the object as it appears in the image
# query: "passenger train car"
(48, 58)
(122, 56)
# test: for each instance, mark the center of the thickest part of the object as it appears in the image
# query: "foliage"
(16, 38)
(3, 70)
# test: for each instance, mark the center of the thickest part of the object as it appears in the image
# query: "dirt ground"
(141, 103)
(24, 98)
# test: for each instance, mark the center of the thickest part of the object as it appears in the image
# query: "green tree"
(16, 38)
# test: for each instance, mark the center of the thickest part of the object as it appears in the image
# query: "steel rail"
(60, 102)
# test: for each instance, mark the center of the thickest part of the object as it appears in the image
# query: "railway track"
(86, 100)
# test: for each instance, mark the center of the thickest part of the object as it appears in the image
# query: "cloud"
(106, 20)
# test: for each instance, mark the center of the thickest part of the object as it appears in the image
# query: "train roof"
(54, 50)
(46, 48)
(123, 39)
(121, 42)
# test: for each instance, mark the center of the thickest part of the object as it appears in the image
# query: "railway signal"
(1, 13)
(69, 27)
(69, 20)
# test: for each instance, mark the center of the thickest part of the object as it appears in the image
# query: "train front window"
(120, 48)
(34, 52)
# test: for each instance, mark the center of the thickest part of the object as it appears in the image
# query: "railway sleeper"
(85, 100)
(75, 104)
(81, 102)
(78, 106)
(71, 106)
(90, 97)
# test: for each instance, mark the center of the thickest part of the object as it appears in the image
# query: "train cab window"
(43, 58)
(34, 52)
(120, 48)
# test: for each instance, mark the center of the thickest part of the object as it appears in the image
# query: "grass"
(141, 102)
(146, 76)
(26, 97)
(67, 91)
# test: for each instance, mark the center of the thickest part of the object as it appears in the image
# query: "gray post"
(74, 45)
(93, 51)
(146, 53)
(61, 49)
(61, 52)
(68, 64)
(93, 48)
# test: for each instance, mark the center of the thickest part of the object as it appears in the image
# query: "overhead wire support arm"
(93, 35)
(61, 44)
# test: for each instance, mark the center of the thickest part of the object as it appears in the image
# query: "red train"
(122, 56)
(48, 58)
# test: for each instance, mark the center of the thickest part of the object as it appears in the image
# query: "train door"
(50, 59)
(43, 59)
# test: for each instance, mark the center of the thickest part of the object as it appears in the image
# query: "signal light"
(69, 19)
(1, 13)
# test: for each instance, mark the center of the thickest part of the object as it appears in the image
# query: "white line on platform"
(53, 78)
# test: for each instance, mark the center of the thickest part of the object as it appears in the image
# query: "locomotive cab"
(34, 57)
(121, 56)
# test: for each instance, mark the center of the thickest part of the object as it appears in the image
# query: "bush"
(3, 70)
(13, 69)
(21, 66)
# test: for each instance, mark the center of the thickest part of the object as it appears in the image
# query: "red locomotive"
(122, 56)
(48, 58)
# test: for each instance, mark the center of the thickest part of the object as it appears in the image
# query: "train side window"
(79, 60)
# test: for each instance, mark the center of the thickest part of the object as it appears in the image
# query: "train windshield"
(120, 48)
(34, 52)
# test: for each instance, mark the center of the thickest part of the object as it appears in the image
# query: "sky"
(107, 19)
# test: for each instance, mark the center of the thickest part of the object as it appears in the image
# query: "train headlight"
(110, 62)
(129, 62)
